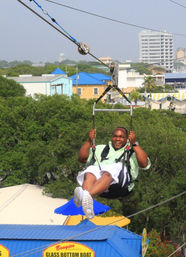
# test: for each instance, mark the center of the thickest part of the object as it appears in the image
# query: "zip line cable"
(54, 20)
(177, 3)
(111, 19)
(38, 249)
(82, 48)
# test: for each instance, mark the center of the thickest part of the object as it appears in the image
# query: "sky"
(24, 36)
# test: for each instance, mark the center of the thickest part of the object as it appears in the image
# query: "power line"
(156, 205)
(38, 249)
(177, 3)
(177, 250)
(111, 19)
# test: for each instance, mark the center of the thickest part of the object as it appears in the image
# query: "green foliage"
(158, 89)
(9, 88)
(24, 68)
(6, 64)
(142, 68)
(157, 247)
(149, 83)
(135, 95)
(58, 188)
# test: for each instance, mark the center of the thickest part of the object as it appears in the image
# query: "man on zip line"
(111, 168)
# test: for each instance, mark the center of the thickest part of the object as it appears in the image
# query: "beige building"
(106, 60)
(181, 55)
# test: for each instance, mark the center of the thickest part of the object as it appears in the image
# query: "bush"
(157, 247)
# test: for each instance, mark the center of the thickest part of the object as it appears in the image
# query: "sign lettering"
(4, 252)
(68, 249)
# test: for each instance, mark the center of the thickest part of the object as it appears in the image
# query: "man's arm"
(141, 156)
(85, 149)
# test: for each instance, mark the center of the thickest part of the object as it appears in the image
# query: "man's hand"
(132, 137)
(92, 134)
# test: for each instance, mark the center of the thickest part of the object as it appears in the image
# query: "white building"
(156, 48)
(47, 84)
(128, 78)
(131, 79)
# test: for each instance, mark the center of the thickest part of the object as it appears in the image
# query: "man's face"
(119, 138)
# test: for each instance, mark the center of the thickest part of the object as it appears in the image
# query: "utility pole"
(77, 77)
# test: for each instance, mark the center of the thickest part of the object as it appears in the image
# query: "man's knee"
(89, 177)
(89, 181)
(107, 175)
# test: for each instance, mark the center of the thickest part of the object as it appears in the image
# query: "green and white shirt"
(115, 154)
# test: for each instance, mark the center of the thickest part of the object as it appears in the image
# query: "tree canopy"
(10, 88)
(26, 68)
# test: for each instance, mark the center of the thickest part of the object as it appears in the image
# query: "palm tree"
(135, 95)
(149, 83)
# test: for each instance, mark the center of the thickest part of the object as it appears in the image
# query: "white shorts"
(113, 169)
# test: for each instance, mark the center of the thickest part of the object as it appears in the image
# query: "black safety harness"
(119, 189)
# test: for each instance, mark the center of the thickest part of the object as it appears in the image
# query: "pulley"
(114, 73)
(83, 48)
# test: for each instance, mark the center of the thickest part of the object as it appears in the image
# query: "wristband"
(135, 144)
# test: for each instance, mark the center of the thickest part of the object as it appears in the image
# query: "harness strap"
(126, 160)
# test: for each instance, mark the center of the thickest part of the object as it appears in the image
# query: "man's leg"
(89, 181)
(94, 186)
(87, 201)
(101, 184)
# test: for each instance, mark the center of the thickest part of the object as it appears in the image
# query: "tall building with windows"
(156, 48)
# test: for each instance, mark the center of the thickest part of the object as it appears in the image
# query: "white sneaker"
(78, 196)
(87, 204)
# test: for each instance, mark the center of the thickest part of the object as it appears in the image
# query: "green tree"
(159, 89)
(149, 83)
(135, 96)
(25, 68)
(10, 88)
(142, 68)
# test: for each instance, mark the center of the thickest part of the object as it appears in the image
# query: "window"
(79, 91)
(58, 89)
(95, 91)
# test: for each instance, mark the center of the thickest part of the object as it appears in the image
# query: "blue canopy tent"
(71, 209)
